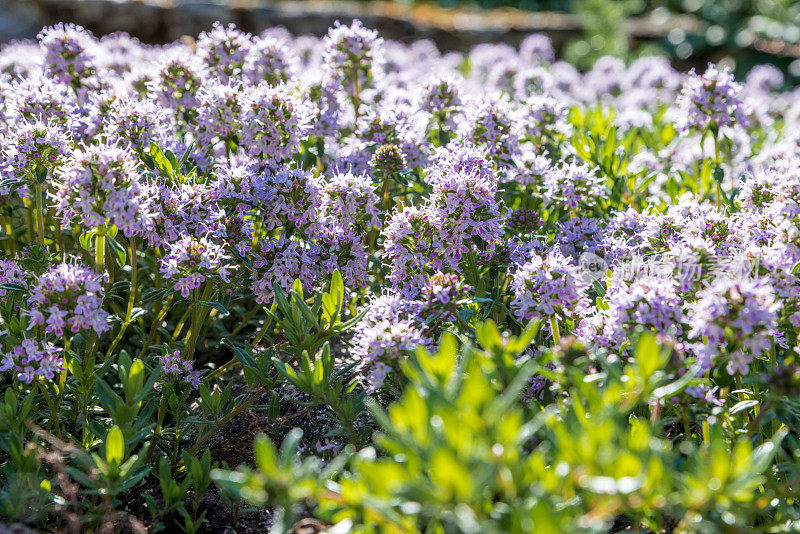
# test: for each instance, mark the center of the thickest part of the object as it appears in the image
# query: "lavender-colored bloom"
(100, 186)
(11, 273)
(524, 222)
(137, 123)
(176, 83)
(545, 118)
(713, 100)
(763, 79)
(270, 59)
(349, 200)
(68, 298)
(734, 321)
(387, 160)
(442, 295)
(548, 284)
(69, 58)
(466, 208)
(42, 100)
(578, 235)
(180, 209)
(573, 184)
(533, 81)
(31, 359)
(273, 124)
(649, 303)
(458, 158)
(343, 248)
(190, 261)
(441, 97)
(281, 261)
(348, 49)
(387, 330)
(537, 47)
(179, 371)
(530, 169)
(493, 124)
(33, 151)
(219, 117)
(326, 101)
(289, 197)
(391, 125)
(224, 51)
(412, 247)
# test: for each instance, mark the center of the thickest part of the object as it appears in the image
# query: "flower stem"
(131, 300)
(39, 214)
(356, 95)
(100, 253)
(198, 318)
(12, 241)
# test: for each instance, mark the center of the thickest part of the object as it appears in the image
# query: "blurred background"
(740, 33)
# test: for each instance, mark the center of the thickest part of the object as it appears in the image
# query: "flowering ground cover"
(500, 294)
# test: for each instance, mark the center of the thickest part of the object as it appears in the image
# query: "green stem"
(351, 430)
(12, 240)
(154, 327)
(39, 214)
(267, 323)
(100, 253)
(473, 268)
(151, 447)
(29, 219)
(716, 164)
(131, 300)
(356, 95)
(198, 318)
(246, 319)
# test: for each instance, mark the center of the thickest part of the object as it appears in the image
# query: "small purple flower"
(548, 284)
(31, 359)
(68, 298)
(190, 261)
(713, 100)
(735, 320)
(177, 370)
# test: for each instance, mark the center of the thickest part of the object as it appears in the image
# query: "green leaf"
(333, 300)
(41, 174)
(115, 446)
(135, 378)
(216, 305)
(743, 405)
(85, 239)
(719, 174)
(648, 355)
(119, 251)
(265, 455)
(13, 287)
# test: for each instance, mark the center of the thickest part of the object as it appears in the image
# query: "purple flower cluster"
(351, 48)
(734, 321)
(190, 261)
(100, 186)
(31, 359)
(713, 100)
(389, 328)
(68, 298)
(177, 370)
(546, 285)
(33, 151)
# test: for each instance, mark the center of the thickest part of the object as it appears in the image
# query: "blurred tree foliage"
(604, 32)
